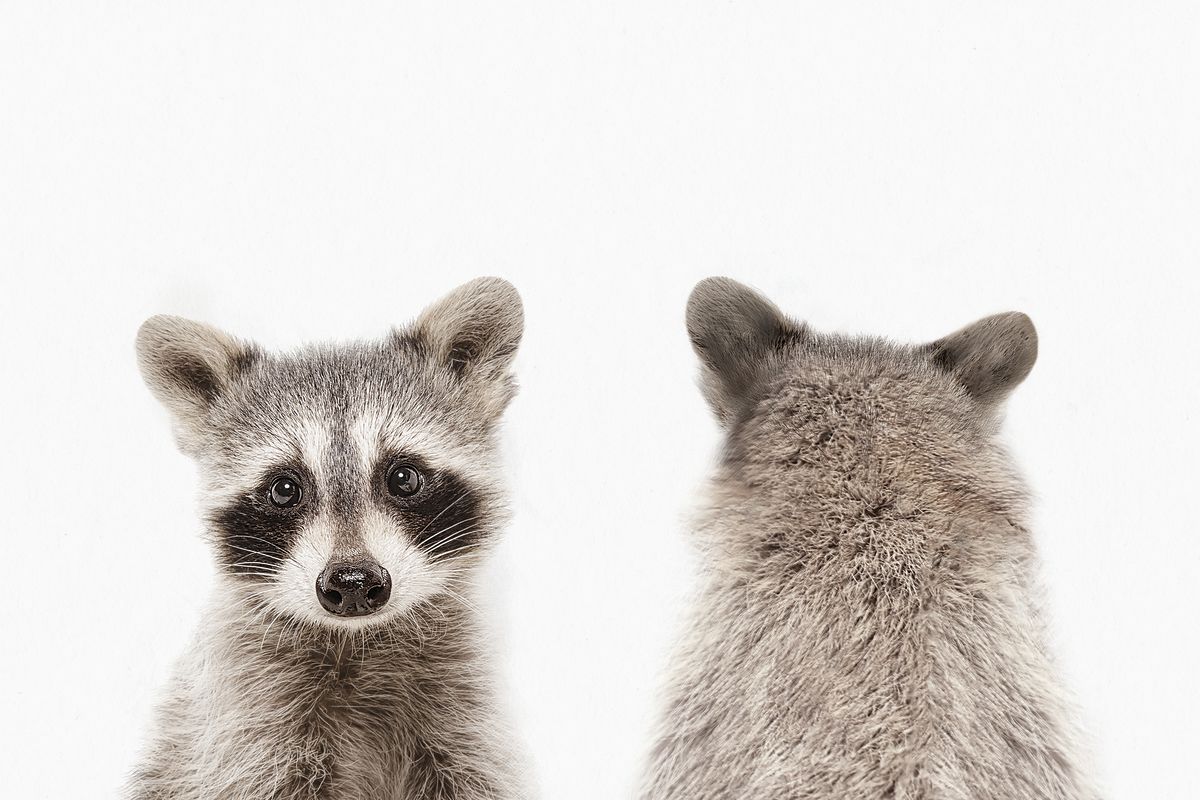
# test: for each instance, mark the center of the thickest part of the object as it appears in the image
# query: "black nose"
(351, 590)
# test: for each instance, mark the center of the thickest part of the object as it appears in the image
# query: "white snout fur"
(414, 577)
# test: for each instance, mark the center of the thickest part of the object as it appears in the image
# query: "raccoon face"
(343, 485)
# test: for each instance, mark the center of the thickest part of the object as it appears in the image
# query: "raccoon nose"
(352, 590)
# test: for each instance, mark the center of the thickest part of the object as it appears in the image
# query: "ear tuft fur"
(188, 365)
(989, 357)
(733, 330)
(475, 330)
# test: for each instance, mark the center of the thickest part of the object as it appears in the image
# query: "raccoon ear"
(474, 331)
(989, 357)
(188, 365)
(733, 329)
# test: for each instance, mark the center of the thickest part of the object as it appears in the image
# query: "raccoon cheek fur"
(868, 625)
(350, 494)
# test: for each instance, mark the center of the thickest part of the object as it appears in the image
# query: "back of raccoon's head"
(343, 484)
(804, 407)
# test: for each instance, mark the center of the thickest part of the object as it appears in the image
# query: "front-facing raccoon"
(349, 492)
(869, 625)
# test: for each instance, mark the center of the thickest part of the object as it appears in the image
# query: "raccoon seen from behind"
(869, 624)
(349, 493)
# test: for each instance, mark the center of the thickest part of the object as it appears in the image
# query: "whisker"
(439, 514)
(446, 554)
(435, 542)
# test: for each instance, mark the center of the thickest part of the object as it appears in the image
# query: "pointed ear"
(733, 329)
(188, 366)
(474, 330)
(989, 357)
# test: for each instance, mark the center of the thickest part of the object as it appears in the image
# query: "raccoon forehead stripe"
(374, 433)
(306, 443)
(313, 440)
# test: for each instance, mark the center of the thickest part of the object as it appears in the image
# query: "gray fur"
(278, 699)
(869, 624)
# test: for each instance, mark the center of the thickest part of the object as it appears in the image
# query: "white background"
(310, 171)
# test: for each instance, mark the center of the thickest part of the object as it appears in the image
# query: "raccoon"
(350, 493)
(869, 622)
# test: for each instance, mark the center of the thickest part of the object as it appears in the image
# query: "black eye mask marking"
(443, 516)
(255, 535)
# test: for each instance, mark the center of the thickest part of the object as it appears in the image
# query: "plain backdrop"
(301, 171)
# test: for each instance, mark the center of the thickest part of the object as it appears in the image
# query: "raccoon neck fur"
(265, 707)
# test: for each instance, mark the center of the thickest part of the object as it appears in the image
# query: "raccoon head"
(344, 484)
(809, 412)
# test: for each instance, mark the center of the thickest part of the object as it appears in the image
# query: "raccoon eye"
(403, 480)
(285, 492)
